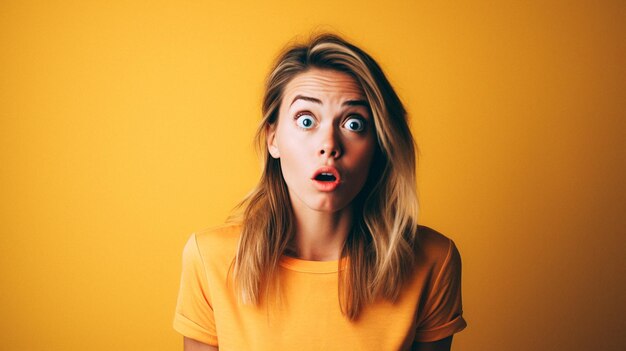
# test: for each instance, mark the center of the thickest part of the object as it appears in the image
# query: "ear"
(272, 146)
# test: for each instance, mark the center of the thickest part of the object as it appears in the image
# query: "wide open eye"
(305, 121)
(355, 124)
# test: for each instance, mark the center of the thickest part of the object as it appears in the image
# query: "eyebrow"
(318, 101)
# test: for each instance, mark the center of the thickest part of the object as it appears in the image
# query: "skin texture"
(320, 124)
(323, 120)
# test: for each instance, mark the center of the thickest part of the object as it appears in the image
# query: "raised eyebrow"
(318, 101)
(306, 98)
(356, 103)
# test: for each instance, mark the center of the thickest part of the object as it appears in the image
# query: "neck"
(320, 235)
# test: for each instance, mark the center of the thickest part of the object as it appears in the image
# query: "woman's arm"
(439, 345)
(194, 345)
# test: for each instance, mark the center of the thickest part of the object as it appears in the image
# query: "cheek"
(360, 164)
(364, 153)
(289, 146)
(292, 157)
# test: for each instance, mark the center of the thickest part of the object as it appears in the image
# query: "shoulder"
(435, 250)
(220, 236)
(439, 277)
(215, 244)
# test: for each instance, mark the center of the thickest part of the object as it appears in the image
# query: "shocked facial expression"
(325, 139)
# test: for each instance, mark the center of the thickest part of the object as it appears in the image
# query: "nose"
(331, 145)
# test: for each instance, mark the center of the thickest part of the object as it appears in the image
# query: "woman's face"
(325, 139)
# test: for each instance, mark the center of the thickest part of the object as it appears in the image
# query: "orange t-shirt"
(308, 316)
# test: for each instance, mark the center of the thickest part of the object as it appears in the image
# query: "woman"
(327, 253)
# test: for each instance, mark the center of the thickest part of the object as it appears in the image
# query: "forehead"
(324, 83)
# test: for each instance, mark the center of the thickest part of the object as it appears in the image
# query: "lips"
(326, 174)
(326, 178)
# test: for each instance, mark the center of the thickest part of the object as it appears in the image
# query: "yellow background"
(125, 126)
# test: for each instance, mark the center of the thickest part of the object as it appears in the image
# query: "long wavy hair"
(380, 248)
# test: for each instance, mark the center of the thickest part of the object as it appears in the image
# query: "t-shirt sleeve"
(443, 312)
(194, 312)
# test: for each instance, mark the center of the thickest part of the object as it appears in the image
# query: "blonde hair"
(380, 248)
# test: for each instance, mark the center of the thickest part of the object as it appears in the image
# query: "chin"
(320, 202)
(328, 205)
(326, 209)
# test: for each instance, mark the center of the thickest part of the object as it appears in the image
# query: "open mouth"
(325, 177)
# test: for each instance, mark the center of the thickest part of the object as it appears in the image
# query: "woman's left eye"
(355, 124)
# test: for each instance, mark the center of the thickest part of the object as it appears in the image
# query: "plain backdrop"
(127, 125)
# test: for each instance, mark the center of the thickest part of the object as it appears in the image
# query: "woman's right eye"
(305, 121)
